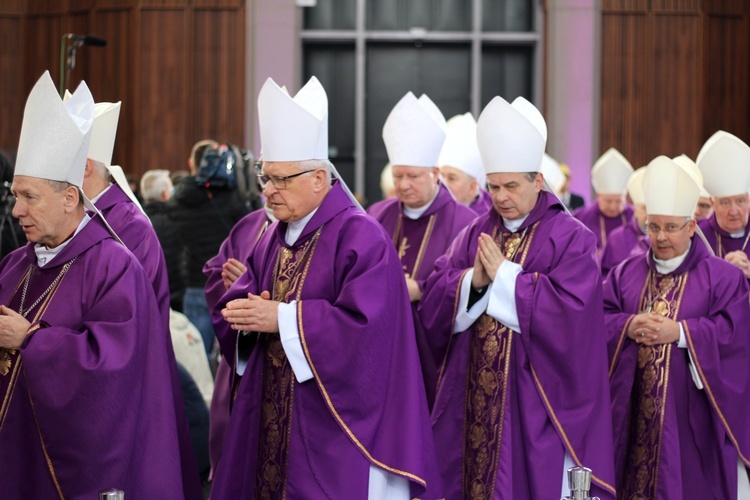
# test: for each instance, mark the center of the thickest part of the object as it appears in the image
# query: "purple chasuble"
(509, 405)
(365, 404)
(623, 242)
(673, 440)
(721, 241)
(87, 400)
(482, 203)
(419, 244)
(600, 224)
(239, 245)
(138, 235)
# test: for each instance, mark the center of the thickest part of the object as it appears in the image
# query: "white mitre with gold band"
(611, 172)
(511, 137)
(293, 129)
(414, 132)
(460, 148)
(724, 161)
(55, 135)
(688, 164)
(635, 187)
(670, 189)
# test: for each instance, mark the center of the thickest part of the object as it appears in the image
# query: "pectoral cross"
(402, 248)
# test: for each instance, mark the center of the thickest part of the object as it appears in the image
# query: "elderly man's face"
(40, 210)
(731, 212)
(414, 186)
(462, 185)
(514, 195)
(703, 209)
(670, 236)
(611, 205)
(290, 198)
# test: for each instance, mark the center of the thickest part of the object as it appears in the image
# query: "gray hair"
(314, 165)
(101, 170)
(530, 176)
(154, 183)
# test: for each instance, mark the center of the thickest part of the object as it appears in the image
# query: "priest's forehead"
(280, 168)
(23, 184)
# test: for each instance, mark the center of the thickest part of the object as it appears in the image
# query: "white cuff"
(291, 343)
(464, 318)
(693, 372)
(385, 486)
(502, 305)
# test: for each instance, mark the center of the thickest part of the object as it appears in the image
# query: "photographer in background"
(10, 231)
(203, 209)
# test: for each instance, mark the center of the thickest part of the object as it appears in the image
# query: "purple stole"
(662, 294)
(720, 241)
(487, 389)
(278, 377)
(411, 252)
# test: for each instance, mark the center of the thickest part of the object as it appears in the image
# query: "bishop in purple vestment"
(87, 401)
(602, 223)
(676, 323)
(724, 162)
(516, 304)
(221, 272)
(424, 217)
(331, 401)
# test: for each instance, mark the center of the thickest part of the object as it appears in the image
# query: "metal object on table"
(112, 494)
(579, 482)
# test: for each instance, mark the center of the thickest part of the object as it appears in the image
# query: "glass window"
(331, 15)
(508, 15)
(507, 72)
(433, 15)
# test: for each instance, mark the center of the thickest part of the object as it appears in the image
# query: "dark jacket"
(166, 231)
(202, 218)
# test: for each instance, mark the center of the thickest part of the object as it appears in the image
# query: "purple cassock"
(239, 245)
(365, 404)
(721, 242)
(482, 203)
(600, 224)
(419, 243)
(87, 401)
(673, 440)
(623, 242)
(510, 405)
(138, 235)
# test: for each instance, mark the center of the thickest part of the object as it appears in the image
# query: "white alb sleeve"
(289, 332)
(502, 305)
(464, 318)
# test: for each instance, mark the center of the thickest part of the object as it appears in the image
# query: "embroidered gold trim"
(710, 394)
(441, 369)
(332, 408)
(423, 246)
(10, 390)
(620, 342)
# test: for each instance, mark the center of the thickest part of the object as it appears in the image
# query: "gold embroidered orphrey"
(662, 295)
(278, 378)
(487, 387)
(402, 244)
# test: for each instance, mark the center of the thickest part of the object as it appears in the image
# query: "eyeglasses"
(278, 182)
(668, 229)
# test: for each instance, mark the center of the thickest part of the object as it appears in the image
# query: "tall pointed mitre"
(106, 116)
(293, 128)
(685, 162)
(414, 132)
(55, 135)
(511, 137)
(552, 173)
(460, 149)
(611, 172)
(669, 188)
(635, 187)
(724, 161)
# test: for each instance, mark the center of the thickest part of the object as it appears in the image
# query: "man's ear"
(72, 198)
(89, 168)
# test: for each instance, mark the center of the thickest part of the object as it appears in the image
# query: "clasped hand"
(256, 313)
(652, 329)
(487, 261)
(13, 328)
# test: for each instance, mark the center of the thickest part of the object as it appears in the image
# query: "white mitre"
(293, 129)
(553, 174)
(670, 189)
(460, 149)
(611, 172)
(414, 132)
(635, 187)
(511, 137)
(55, 135)
(688, 164)
(724, 161)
